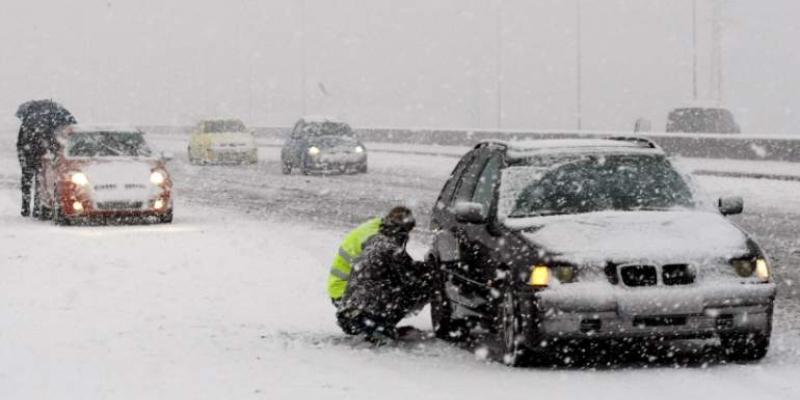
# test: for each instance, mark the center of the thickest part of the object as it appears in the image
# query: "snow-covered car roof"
(528, 148)
(89, 128)
(321, 119)
(709, 104)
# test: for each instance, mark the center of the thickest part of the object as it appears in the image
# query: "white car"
(222, 141)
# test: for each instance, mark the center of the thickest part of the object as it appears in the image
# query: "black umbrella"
(45, 112)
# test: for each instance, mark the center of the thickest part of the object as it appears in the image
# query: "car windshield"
(224, 126)
(328, 129)
(590, 183)
(107, 144)
(333, 141)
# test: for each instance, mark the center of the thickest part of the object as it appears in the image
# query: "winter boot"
(26, 208)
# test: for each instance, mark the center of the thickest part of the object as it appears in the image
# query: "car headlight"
(158, 177)
(564, 273)
(747, 267)
(541, 275)
(79, 178)
(313, 151)
(359, 149)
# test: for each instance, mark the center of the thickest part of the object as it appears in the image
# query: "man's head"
(398, 222)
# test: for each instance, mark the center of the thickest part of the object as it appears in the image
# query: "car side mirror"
(731, 205)
(167, 156)
(469, 212)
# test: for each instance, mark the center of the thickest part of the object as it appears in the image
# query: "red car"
(103, 172)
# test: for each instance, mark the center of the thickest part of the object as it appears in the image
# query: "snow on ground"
(218, 305)
(229, 302)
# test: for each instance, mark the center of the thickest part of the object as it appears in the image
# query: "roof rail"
(641, 141)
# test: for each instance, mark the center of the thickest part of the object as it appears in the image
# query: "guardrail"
(720, 146)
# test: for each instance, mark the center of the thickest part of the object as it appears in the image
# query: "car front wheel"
(445, 326)
(514, 351)
(165, 218)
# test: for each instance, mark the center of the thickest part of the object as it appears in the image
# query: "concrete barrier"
(720, 146)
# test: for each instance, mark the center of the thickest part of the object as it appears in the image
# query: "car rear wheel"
(514, 351)
(445, 326)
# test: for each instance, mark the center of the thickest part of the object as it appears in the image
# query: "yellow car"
(222, 141)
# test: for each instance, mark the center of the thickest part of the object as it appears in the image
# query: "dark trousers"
(29, 172)
(409, 300)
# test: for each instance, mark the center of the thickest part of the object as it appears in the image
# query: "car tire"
(514, 352)
(286, 168)
(165, 218)
(445, 326)
(303, 168)
(363, 169)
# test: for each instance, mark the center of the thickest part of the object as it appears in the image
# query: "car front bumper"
(337, 163)
(687, 312)
(133, 208)
(232, 156)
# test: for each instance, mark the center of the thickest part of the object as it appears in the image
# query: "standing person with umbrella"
(40, 119)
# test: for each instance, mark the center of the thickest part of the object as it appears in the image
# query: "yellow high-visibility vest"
(349, 250)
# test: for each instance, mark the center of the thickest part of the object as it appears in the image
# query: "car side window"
(468, 180)
(298, 129)
(446, 195)
(486, 184)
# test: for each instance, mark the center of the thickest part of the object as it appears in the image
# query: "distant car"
(101, 171)
(556, 241)
(222, 141)
(702, 119)
(323, 145)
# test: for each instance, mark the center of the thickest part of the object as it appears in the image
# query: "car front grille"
(677, 274)
(638, 275)
(635, 275)
(119, 205)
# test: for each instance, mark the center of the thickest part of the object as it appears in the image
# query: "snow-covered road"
(229, 302)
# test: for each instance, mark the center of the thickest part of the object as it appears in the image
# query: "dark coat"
(33, 142)
(385, 282)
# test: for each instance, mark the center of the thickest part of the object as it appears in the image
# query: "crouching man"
(385, 284)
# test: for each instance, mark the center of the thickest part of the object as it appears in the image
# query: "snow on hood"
(118, 172)
(652, 236)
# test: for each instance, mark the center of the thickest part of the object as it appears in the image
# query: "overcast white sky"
(395, 63)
